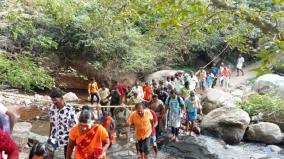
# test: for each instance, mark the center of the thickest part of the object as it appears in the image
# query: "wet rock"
(274, 148)
(216, 98)
(41, 98)
(270, 82)
(204, 147)
(21, 133)
(228, 123)
(70, 97)
(35, 138)
(122, 154)
(265, 132)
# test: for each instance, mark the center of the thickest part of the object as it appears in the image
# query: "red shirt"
(226, 72)
(8, 146)
(155, 119)
(121, 89)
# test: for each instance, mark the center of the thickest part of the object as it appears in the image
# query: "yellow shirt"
(93, 87)
(143, 126)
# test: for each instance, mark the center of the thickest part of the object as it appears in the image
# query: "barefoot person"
(143, 122)
(121, 115)
(93, 90)
(240, 63)
(175, 104)
(192, 105)
(91, 140)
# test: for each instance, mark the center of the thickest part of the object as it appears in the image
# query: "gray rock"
(238, 93)
(35, 138)
(70, 97)
(270, 82)
(216, 98)
(274, 148)
(21, 133)
(228, 123)
(161, 75)
(265, 132)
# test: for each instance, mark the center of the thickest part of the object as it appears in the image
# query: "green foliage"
(269, 104)
(134, 35)
(23, 73)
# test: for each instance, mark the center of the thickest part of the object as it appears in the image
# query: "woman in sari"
(91, 140)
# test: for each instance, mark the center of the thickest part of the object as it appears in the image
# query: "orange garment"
(93, 87)
(148, 92)
(106, 123)
(143, 126)
(100, 135)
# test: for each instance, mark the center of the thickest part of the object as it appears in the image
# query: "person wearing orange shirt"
(143, 122)
(91, 140)
(148, 91)
(93, 90)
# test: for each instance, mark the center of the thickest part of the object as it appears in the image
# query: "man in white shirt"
(138, 89)
(240, 63)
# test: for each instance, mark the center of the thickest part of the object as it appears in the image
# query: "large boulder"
(270, 82)
(266, 132)
(161, 75)
(70, 97)
(228, 123)
(21, 133)
(216, 98)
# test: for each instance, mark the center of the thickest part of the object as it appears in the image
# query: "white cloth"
(139, 91)
(3, 109)
(192, 82)
(240, 63)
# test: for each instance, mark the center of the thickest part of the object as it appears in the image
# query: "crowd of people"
(159, 106)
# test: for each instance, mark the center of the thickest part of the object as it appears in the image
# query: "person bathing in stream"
(192, 105)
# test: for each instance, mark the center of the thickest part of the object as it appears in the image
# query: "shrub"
(23, 73)
(269, 104)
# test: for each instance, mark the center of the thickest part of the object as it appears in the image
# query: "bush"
(270, 105)
(23, 73)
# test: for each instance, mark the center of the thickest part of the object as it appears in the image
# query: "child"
(192, 104)
(108, 123)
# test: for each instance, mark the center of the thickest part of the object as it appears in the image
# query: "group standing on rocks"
(173, 103)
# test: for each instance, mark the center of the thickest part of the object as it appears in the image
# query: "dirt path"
(249, 74)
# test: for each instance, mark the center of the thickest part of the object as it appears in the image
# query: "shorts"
(122, 130)
(191, 116)
(143, 145)
(153, 138)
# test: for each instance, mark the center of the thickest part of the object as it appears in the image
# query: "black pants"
(214, 82)
(175, 131)
(92, 97)
(65, 151)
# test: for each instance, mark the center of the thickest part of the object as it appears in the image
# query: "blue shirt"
(174, 105)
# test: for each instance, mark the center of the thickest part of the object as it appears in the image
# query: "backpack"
(178, 98)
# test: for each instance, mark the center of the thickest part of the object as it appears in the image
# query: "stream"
(200, 147)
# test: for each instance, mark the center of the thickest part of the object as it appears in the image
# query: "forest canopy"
(139, 35)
